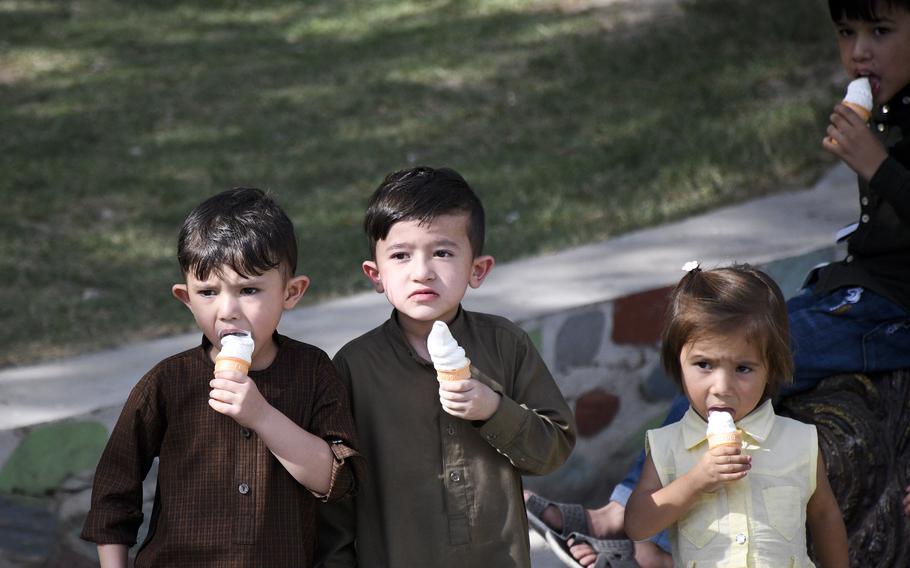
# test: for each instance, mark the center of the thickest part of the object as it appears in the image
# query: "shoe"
(573, 516)
(612, 553)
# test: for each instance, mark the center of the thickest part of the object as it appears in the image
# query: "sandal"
(615, 553)
(573, 517)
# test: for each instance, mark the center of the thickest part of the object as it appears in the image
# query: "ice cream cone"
(448, 357)
(231, 364)
(459, 374)
(236, 353)
(863, 112)
(725, 439)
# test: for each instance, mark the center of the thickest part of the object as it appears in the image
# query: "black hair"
(242, 228)
(737, 298)
(865, 10)
(422, 194)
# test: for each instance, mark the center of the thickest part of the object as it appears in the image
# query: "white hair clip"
(690, 266)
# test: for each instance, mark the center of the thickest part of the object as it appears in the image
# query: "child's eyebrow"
(446, 243)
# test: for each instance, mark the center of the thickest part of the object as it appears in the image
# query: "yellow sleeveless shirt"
(758, 521)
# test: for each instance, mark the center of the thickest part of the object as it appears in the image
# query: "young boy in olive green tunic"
(445, 457)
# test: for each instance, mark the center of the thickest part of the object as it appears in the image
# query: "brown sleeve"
(116, 509)
(333, 422)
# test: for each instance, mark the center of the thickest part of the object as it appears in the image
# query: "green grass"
(573, 125)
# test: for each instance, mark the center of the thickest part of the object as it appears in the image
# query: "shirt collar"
(757, 425)
(457, 326)
(898, 108)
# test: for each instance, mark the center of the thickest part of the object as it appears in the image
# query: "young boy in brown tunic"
(243, 457)
(445, 457)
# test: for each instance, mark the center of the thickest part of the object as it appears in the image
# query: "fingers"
(231, 375)
(457, 386)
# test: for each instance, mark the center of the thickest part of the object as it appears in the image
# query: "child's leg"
(847, 330)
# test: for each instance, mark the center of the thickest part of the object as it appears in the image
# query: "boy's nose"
(421, 270)
(228, 307)
(861, 49)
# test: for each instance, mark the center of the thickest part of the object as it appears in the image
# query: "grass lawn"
(573, 120)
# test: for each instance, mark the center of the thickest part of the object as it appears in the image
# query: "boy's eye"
(743, 369)
(399, 256)
(248, 291)
(880, 30)
(207, 293)
(703, 364)
(442, 253)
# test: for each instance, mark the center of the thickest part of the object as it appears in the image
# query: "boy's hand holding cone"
(460, 395)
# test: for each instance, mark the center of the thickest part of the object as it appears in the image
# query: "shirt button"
(243, 488)
(455, 476)
(245, 432)
(491, 436)
(864, 200)
(450, 429)
(864, 218)
(881, 127)
(849, 259)
(740, 538)
(885, 109)
(906, 100)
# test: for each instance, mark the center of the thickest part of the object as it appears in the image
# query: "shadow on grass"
(119, 119)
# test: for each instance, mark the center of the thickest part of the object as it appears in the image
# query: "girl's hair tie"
(691, 266)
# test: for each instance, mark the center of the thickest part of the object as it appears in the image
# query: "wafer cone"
(231, 364)
(725, 439)
(459, 374)
(862, 111)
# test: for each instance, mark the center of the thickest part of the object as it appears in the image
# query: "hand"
(235, 394)
(851, 140)
(720, 465)
(468, 399)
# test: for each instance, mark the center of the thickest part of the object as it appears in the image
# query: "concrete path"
(759, 231)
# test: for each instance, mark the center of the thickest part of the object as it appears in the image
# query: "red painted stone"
(594, 411)
(638, 319)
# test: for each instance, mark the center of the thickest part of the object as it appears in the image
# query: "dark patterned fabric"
(222, 499)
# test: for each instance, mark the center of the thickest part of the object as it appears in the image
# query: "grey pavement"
(763, 230)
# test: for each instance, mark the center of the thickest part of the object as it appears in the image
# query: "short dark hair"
(866, 10)
(727, 300)
(422, 194)
(242, 228)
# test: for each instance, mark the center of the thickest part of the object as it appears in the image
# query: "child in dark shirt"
(243, 456)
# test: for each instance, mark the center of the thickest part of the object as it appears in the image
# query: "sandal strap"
(573, 519)
(618, 553)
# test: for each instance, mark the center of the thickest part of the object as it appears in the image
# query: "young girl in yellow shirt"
(726, 343)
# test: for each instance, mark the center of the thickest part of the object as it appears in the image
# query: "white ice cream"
(444, 350)
(237, 346)
(859, 92)
(720, 423)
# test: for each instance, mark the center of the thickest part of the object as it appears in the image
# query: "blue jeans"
(847, 330)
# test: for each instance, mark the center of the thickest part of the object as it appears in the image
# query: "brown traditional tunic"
(222, 499)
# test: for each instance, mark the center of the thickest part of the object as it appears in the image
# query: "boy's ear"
(294, 290)
(180, 292)
(372, 271)
(480, 269)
